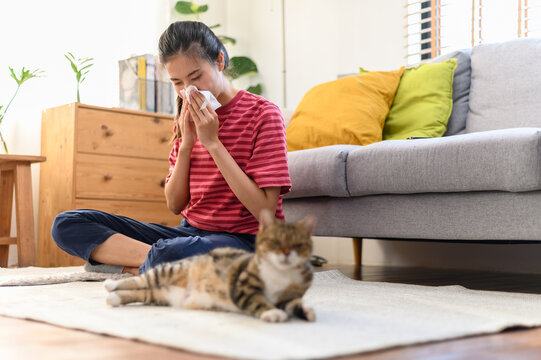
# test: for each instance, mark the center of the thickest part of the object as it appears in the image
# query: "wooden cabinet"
(108, 159)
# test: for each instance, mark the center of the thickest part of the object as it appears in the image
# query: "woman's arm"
(177, 189)
(246, 189)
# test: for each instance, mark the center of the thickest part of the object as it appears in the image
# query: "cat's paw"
(274, 315)
(309, 313)
(110, 284)
(113, 299)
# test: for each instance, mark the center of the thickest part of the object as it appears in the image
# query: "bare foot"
(131, 270)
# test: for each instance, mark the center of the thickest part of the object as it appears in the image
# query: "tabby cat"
(268, 284)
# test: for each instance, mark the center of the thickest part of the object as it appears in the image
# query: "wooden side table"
(15, 170)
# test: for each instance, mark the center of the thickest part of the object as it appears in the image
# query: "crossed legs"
(122, 250)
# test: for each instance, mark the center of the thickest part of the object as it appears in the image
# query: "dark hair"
(192, 38)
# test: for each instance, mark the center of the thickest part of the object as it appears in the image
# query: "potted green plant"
(20, 79)
(238, 65)
(80, 67)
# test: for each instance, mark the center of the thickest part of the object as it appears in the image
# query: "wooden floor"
(24, 339)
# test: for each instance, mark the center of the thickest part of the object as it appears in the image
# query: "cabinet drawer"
(146, 211)
(116, 133)
(112, 177)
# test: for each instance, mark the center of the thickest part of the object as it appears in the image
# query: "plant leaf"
(25, 75)
(227, 39)
(73, 66)
(13, 74)
(214, 26)
(257, 89)
(201, 9)
(85, 67)
(184, 7)
(37, 73)
(240, 66)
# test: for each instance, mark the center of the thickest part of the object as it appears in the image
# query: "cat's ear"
(266, 218)
(309, 222)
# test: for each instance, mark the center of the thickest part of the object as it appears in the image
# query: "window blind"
(439, 26)
(529, 18)
(423, 30)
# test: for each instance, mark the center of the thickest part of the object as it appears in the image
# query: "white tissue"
(209, 98)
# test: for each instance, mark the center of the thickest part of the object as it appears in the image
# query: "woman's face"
(186, 70)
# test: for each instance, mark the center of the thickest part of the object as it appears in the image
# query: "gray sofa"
(481, 181)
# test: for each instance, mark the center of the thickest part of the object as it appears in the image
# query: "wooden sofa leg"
(358, 250)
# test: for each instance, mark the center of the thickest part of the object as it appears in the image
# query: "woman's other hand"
(206, 120)
(187, 126)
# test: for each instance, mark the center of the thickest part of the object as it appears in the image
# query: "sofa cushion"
(505, 160)
(461, 90)
(482, 215)
(350, 110)
(319, 172)
(505, 85)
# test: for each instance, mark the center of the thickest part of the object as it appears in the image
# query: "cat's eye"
(275, 243)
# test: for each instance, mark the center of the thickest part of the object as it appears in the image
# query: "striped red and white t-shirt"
(252, 129)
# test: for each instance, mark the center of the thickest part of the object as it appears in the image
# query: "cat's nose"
(286, 250)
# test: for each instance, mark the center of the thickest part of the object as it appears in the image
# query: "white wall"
(36, 34)
(257, 26)
(325, 39)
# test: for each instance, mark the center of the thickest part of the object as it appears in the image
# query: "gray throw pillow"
(461, 90)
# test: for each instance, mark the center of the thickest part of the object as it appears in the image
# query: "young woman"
(225, 167)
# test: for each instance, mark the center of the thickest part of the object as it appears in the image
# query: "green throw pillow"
(423, 102)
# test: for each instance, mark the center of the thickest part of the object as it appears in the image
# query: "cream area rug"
(45, 276)
(352, 317)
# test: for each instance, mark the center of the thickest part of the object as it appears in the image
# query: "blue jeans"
(79, 232)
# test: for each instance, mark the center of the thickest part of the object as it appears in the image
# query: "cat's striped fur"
(268, 284)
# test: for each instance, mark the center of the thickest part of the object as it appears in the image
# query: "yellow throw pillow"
(350, 110)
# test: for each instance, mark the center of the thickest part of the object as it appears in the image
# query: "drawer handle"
(156, 120)
(164, 139)
(108, 132)
(108, 177)
(162, 183)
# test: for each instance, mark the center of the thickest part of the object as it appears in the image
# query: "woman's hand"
(187, 126)
(206, 120)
